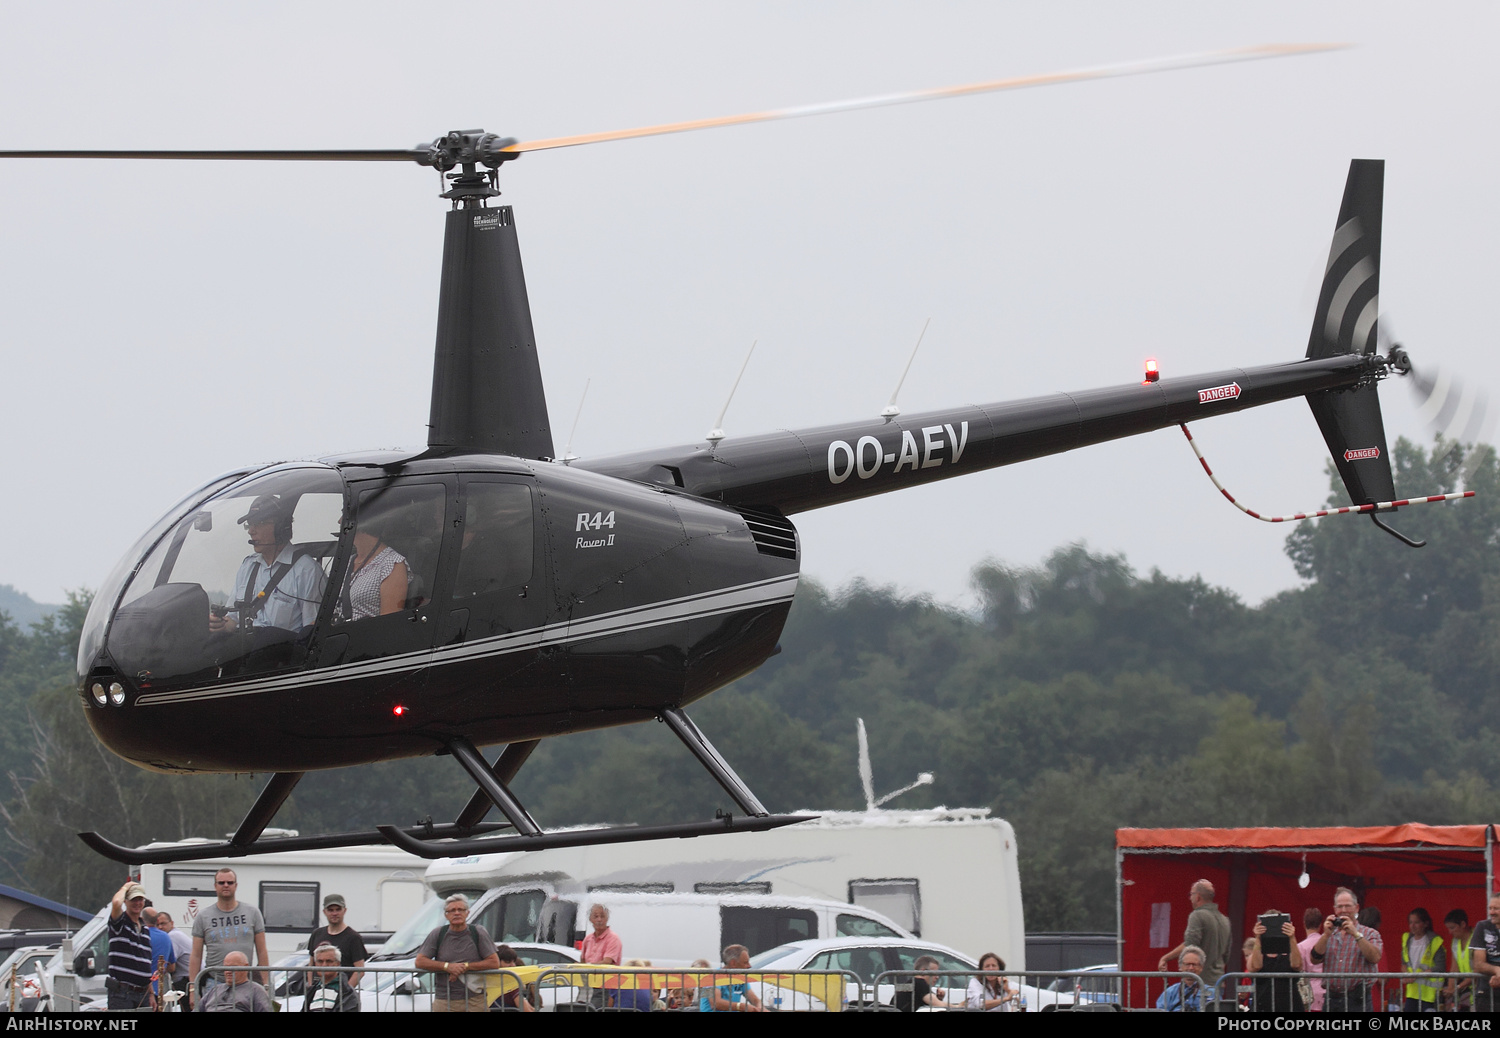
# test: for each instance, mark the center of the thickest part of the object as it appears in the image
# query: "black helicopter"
(521, 596)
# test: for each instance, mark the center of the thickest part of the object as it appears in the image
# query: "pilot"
(275, 587)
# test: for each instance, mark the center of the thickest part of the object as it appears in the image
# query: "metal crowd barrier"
(570, 988)
(1075, 990)
(575, 988)
(1356, 992)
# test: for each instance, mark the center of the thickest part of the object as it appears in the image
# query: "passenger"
(1275, 994)
(238, 993)
(1207, 930)
(345, 938)
(182, 946)
(1312, 922)
(734, 996)
(991, 994)
(1347, 947)
(688, 997)
(330, 991)
(1459, 995)
(1422, 951)
(275, 586)
(1484, 955)
(601, 948)
(640, 995)
(514, 996)
(378, 577)
(130, 964)
(162, 951)
(455, 951)
(1187, 993)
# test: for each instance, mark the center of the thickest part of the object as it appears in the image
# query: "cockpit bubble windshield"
(237, 587)
(92, 638)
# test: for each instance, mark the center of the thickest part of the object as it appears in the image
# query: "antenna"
(717, 432)
(568, 457)
(891, 410)
(867, 776)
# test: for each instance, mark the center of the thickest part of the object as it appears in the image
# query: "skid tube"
(724, 823)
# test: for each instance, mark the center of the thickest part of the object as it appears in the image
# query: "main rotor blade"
(1129, 68)
(279, 155)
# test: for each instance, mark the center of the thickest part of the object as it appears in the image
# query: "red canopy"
(1394, 868)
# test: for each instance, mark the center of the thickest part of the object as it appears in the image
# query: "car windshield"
(771, 955)
(403, 944)
(85, 936)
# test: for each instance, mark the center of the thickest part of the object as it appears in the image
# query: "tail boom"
(799, 470)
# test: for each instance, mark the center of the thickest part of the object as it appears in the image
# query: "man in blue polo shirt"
(161, 949)
(129, 950)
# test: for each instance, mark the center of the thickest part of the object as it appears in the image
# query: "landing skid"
(461, 836)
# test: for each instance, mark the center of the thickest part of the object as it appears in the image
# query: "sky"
(166, 322)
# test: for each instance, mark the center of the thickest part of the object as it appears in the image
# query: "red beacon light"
(1153, 374)
(398, 710)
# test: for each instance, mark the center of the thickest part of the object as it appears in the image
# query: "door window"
(496, 552)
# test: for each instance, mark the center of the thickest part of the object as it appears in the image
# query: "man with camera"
(1347, 947)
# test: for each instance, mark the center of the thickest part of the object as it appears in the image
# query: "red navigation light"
(398, 709)
(1152, 373)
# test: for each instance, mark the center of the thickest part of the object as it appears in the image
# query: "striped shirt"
(1342, 955)
(129, 951)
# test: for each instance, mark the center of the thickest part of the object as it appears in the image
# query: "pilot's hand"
(221, 623)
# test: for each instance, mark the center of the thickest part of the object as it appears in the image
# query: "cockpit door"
(499, 587)
(388, 601)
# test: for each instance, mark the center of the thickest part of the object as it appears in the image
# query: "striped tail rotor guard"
(1379, 506)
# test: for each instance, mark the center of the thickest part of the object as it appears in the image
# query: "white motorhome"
(947, 875)
(382, 886)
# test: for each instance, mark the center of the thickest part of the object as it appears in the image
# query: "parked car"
(867, 959)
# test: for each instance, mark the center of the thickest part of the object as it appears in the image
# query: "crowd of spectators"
(1334, 967)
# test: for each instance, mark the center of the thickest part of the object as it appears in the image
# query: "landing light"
(116, 693)
(1153, 374)
(99, 695)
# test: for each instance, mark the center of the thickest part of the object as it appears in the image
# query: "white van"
(669, 929)
(944, 874)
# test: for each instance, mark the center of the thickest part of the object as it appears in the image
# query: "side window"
(899, 900)
(556, 925)
(865, 963)
(518, 916)
(398, 537)
(497, 539)
(761, 928)
(861, 926)
(188, 883)
(289, 906)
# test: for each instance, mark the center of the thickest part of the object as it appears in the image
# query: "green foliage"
(1081, 698)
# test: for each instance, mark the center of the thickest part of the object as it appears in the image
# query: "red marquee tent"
(1395, 868)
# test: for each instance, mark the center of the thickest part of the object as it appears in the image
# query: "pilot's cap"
(267, 508)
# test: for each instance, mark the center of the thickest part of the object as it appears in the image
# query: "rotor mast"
(487, 393)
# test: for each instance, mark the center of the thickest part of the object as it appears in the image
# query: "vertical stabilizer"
(486, 379)
(1345, 322)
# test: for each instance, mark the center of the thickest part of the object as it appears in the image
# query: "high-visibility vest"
(1422, 990)
(1461, 955)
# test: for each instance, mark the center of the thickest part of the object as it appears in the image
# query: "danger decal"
(1214, 395)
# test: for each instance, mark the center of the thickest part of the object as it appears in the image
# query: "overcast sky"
(163, 323)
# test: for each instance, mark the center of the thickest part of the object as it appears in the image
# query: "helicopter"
(541, 595)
